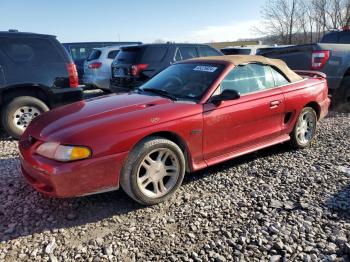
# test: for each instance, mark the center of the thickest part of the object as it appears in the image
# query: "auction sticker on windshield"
(210, 69)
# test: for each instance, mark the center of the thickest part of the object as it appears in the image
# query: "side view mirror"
(226, 95)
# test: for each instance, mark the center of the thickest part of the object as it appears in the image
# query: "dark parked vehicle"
(135, 65)
(331, 56)
(36, 74)
(81, 51)
(249, 49)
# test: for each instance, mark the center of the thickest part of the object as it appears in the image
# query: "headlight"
(54, 150)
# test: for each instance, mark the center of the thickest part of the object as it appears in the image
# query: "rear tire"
(18, 113)
(305, 129)
(342, 96)
(153, 171)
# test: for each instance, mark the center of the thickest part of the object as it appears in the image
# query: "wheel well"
(33, 91)
(179, 141)
(315, 107)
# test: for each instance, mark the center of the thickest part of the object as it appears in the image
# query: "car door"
(255, 118)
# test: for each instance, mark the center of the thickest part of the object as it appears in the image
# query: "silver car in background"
(97, 67)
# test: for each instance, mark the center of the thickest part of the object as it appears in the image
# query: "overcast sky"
(134, 20)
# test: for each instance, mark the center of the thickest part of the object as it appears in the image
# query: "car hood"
(115, 113)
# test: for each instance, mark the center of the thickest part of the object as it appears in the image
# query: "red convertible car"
(194, 114)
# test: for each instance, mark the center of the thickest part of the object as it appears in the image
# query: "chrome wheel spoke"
(171, 169)
(145, 180)
(162, 156)
(156, 189)
(161, 186)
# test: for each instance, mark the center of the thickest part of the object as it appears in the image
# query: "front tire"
(19, 112)
(305, 129)
(153, 171)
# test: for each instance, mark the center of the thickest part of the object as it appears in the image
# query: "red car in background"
(194, 114)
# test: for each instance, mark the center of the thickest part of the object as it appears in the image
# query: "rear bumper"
(94, 80)
(85, 177)
(324, 106)
(128, 83)
(63, 96)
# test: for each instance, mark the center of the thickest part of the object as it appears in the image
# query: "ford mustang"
(194, 114)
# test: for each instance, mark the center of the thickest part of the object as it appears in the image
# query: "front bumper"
(72, 179)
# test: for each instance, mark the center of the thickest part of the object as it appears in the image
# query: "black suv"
(36, 74)
(134, 65)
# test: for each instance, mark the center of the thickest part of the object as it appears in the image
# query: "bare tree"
(279, 19)
(303, 21)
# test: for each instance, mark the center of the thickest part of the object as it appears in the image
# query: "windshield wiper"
(159, 92)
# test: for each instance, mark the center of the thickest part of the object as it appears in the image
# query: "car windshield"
(188, 81)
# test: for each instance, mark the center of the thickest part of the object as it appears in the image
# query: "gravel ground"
(273, 205)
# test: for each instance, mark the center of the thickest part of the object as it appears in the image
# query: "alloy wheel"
(158, 173)
(306, 127)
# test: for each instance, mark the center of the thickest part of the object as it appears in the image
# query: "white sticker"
(209, 69)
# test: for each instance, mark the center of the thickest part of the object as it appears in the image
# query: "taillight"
(73, 75)
(319, 59)
(136, 70)
(95, 65)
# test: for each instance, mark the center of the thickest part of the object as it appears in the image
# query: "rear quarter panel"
(300, 94)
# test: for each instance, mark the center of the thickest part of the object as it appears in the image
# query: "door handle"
(274, 104)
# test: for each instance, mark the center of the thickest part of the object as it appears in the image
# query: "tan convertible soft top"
(246, 59)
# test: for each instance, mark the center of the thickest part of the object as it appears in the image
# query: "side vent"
(287, 117)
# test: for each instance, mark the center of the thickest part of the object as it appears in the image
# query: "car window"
(185, 81)
(280, 79)
(236, 51)
(177, 56)
(345, 39)
(95, 54)
(154, 54)
(188, 52)
(30, 50)
(80, 52)
(248, 79)
(207, 51)
(129, 54)
(112, 54)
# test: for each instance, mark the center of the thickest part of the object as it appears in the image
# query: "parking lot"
(268, 205)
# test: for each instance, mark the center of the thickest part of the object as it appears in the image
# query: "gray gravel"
(273, 205)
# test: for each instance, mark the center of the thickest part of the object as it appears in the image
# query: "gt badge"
(154, 120)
